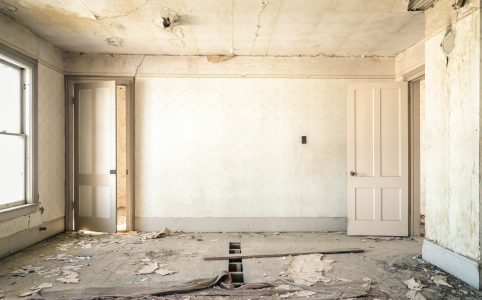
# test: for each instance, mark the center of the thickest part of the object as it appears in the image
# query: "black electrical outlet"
(303, 139)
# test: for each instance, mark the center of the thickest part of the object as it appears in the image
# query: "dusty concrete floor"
(112, 260)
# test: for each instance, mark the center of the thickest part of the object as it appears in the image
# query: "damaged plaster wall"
(217, 150)
(451, 127)
(23, 231)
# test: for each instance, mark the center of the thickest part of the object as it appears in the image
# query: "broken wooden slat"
(244, 256)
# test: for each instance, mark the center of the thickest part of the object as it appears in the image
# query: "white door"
(95, 156)
(377, 146)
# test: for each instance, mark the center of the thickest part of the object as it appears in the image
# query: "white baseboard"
(459, 266)
(212, 224)
(23, 239)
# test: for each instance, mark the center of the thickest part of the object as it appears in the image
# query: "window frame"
(28, 130)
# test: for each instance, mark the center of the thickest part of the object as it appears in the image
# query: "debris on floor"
(164, 272)
(147, 267)
(415, 288)
(35, 289)
(309, 269)
(440, 280)
(158, 235)
(114, 259)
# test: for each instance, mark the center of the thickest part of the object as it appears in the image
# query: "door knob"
(113, 171)
(352, 173)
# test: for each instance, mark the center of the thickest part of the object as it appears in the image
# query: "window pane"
(12, 170)
(10, 101)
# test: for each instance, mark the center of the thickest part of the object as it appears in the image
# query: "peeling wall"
(451, 128)
(51, 131)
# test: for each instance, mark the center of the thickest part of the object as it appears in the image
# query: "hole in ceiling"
(166, 22)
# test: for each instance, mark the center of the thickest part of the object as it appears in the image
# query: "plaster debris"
(415, 295)
(71, 277)
(413, 284)
(35, 289)
(64, 246)
(58, 257)
(303, 293)
(309, 269)
(440, 280)
(45, 285)
(415, 288)
(28, 293)
(158, 235)
(25, 270)
(147, 268)
(165, 272)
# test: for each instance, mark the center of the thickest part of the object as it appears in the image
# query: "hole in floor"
(235, 266)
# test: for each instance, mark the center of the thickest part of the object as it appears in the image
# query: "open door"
(377, 162)
(95, 156)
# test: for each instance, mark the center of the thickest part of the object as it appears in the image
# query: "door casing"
(70, 81)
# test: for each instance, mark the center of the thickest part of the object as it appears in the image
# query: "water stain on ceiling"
(223, 27)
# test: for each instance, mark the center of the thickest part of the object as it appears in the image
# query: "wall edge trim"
(459, 266)
(241, 224)
(31, 236)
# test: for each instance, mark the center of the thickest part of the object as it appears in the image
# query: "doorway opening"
(122, 171)
(100, 154)
(417, 92)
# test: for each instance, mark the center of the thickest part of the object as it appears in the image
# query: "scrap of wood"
(243, 256)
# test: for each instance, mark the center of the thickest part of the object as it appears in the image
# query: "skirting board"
(236, 224)
(459, 266)
(23, 239)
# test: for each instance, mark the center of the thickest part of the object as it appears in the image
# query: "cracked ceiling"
(223, 27)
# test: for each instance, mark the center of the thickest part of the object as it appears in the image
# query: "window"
(17, 115)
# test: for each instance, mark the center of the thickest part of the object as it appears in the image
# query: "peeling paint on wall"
(115, 41)
(448, 44)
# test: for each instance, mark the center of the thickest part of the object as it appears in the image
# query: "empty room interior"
(240, 149)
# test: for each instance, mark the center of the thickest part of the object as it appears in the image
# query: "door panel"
(95, 156)
(377, 149)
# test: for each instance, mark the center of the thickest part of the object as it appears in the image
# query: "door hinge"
(73, 99)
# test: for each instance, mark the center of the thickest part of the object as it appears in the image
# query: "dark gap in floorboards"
(235, 266)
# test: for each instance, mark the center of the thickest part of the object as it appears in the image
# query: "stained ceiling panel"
(222, 27)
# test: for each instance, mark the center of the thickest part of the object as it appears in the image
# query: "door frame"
(70, 81)
(414, 150)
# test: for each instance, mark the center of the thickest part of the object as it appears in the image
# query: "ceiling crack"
(264, 4)
(139, 65)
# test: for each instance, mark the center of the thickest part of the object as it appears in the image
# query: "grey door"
(95, 156)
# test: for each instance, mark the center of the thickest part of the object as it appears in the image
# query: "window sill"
(17, 211)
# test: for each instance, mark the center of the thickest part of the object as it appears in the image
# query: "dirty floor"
(75, 261)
